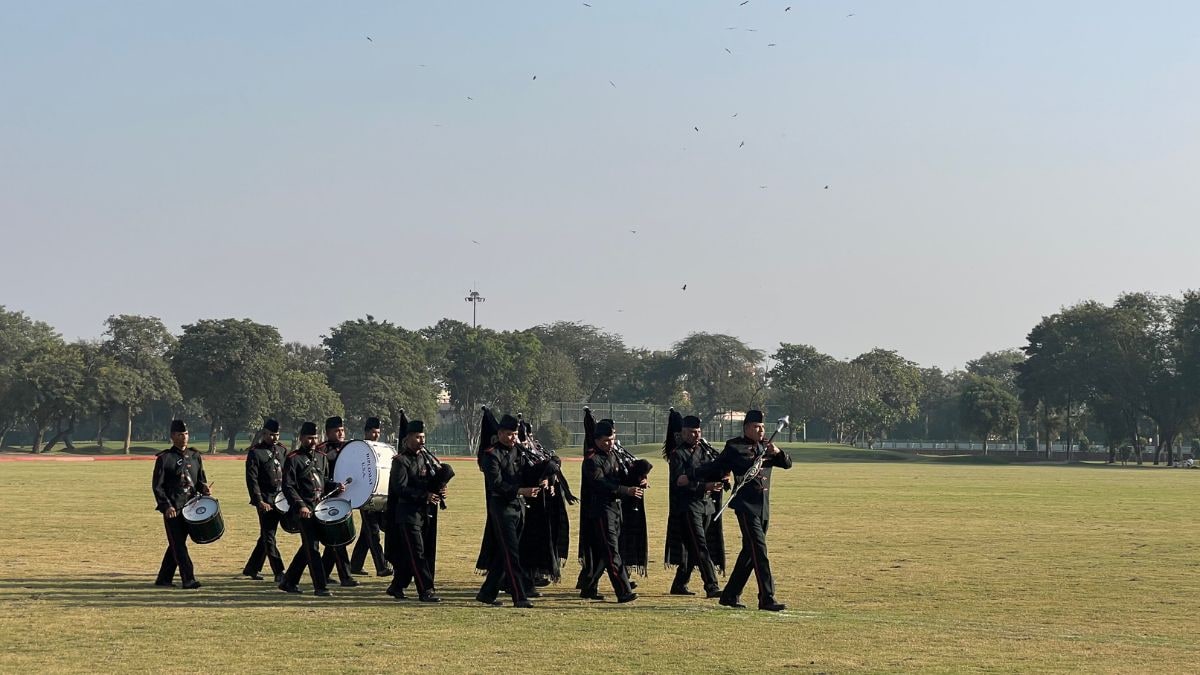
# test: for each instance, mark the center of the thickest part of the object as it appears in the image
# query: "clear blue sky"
(987, 163)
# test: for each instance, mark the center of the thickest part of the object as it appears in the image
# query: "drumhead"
(281, 503)
(367, 465)
(201, 509)
(333, 509)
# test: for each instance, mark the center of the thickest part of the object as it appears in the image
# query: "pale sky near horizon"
(987, 164)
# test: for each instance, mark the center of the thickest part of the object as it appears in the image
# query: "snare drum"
(203, 518)
(288, 521)
(368, 464)
(335, 521)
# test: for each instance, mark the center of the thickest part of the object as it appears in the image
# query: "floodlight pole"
(474, 298)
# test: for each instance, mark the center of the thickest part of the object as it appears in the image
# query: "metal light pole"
(474, 298)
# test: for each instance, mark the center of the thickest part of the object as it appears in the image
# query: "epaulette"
(160, 453)
(294, 453)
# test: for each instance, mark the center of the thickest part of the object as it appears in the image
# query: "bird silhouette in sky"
(470, 99)
(614, 84)
(770, 44)
(586, 5)
(826, 187)
(369, 39)
(787, 9)
(734, 115)
(535, 77)
(474, 242)
(696, 128)
(633, 231)
(684, 287)
(744, 2)
(727, 51)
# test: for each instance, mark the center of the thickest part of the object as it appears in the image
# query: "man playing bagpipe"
(416, 487)
(500, 462)
(690, 529)
(603, 474)
(545, 540)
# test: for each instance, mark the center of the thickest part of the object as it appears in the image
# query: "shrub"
(553, 435)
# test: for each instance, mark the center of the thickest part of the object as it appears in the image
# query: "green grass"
(885, 565)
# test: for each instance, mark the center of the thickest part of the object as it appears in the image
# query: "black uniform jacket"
(264, 472)
(178, 476)
(409, 483)
(501, 469)
(305, 478)
(685, 461)
(602, 475)
(738, 456)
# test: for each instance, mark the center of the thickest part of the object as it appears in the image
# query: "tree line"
(1125, 372)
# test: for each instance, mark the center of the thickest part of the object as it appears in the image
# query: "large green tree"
(899, 383)
(719, 372)
(601, 358)
(842, 394)
(138, 347)
(231, 368)
(793, 362)
(305, 396)
(48, 382)
(379, 369)
(987, 407)
(19, 334)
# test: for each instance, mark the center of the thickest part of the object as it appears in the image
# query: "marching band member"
(178, 476)
(414, 515)
(264, 480)
(602, 474)
(335, 557)
(305, 479)
(368, 537)
(752, 506)
(500, 464)
(691, 507)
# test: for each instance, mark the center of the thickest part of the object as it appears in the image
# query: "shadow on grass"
(138, 590)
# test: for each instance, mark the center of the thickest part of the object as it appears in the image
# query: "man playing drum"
(336, 556)
(264, 480)
(305, 480)
(178, 476)
(368, 537)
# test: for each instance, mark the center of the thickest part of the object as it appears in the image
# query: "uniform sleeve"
(782, 460)
(201, 477)
(731, 459)
(414, 494)
(494, 483)
(252, 479)
(159, 486)
(680, 467)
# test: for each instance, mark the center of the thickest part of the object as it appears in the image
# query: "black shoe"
(290, 588)
(323, 592)
(590, 595)
(348, 583)
(682, 591)
(493, 602)
(358, 572)
(191, 584)
(712, 593)
(731, 602)
(430, 597)
(627, 598)
(396, 593)
(524, 604)
(533, 594)
(772, 606)
(253, 575)
(165, 584)
(279, 578)
(541, 581)
(385, 572)
(633, 584)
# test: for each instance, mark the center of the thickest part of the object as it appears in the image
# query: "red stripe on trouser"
(613, 572)
(748, 542)
(416, 574)
(515, 585)
(171, 544)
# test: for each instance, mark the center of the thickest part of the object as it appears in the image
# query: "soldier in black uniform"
(305, 481)
(264, 480)
(753, 510)
(178, 476)
(368, 537)
(691, 510)
(501, 467)
(602, 474)
(415, 511)
(335, 557)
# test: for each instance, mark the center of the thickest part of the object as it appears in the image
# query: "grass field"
(885, 565)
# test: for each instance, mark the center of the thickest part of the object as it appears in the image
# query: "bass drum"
(366, 466)
(288, 521)
(335, 522)
(204, 522)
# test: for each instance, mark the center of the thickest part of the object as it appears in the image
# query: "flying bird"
(770, 44)
(743, 143)
(696, 128)
(613, 84)
(850, 15)
(734, 115)
(826, 187)
(586, 5)
(787, 9)
(685, 285)
(369, 39)
(535, 77)
(633, 231)
(727, 51)
(744, 2)
(470, 99)
(474, 242)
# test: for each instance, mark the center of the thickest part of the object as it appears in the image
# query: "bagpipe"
(442, 473)
(541, 465)
(634, 471)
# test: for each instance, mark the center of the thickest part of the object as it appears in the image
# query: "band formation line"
(315, 490)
